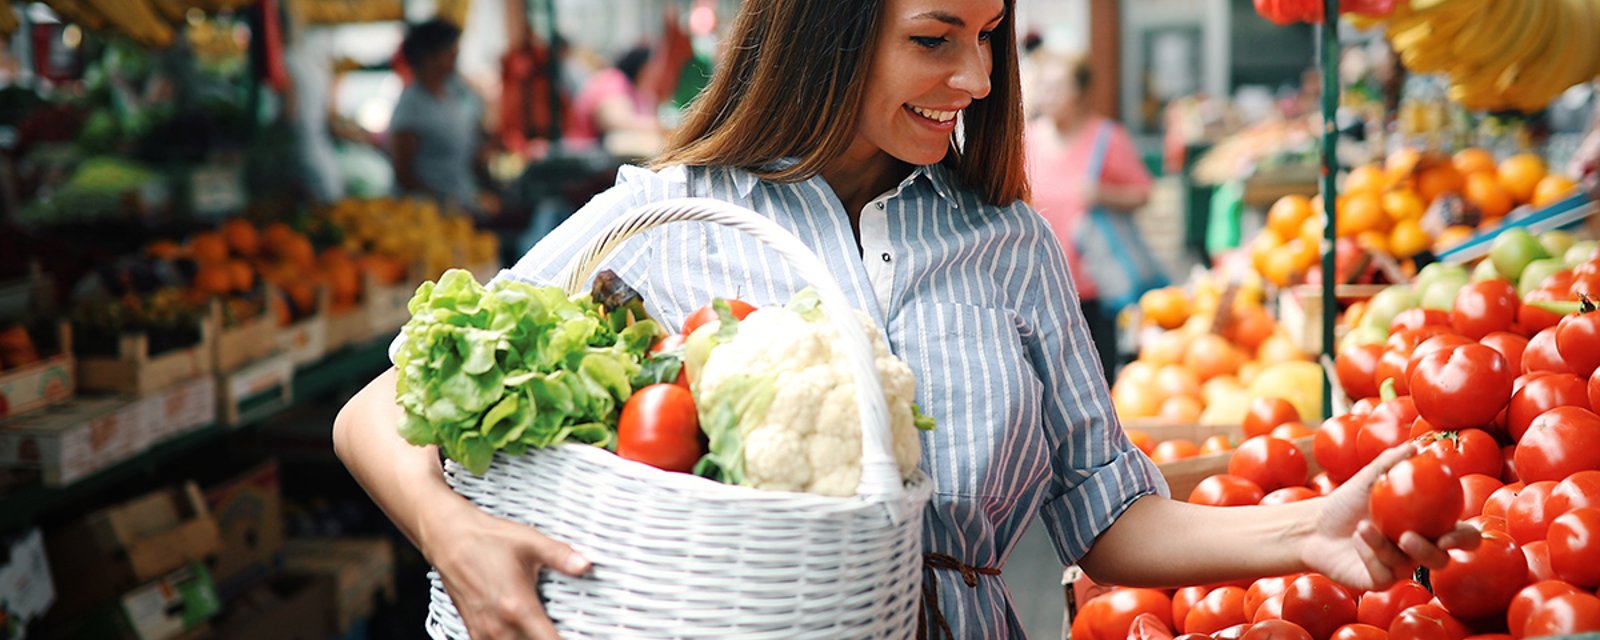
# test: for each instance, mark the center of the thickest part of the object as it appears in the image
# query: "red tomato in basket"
(1579, 490)
(1318, 604)
(1510, 346)
(1271, 463)
(1565, 614)
(1397, 355)
(1574, 539)
(1559, 443)
(1538, 553)
(1578, 341)
(1475, 491)
(1418, 495)
(1226, 491)
(1265, 413)
(1379, 608)
(1532, 598)
(1484, 307)
(1499, 503)
(1441, 342)
(1529, 516)
(1542, 394)
(1541, 354)
(1464, 452)
(708, 314)
(1461, 388)
(659, 427)
(1481, 582)
(1427, 622)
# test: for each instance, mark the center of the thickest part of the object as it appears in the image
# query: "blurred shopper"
(435, 134)
(613, 110)
(1079, 160)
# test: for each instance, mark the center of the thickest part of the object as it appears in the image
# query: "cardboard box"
(290, 607)
(26, 591)
(1183, 475)
(117, 548)
(134, 370)
(258, 389)
(178, 409)
(362, 569)
(173, 606)
(71, 441)
(249, 513)
(47, 382)
(250, 340)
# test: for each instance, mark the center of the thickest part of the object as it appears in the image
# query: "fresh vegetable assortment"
(511, 366)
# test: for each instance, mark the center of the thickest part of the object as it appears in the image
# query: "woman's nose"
(972, 75)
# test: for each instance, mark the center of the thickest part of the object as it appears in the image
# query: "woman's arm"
(489, 565)
(1331, 535)
(1118, 197)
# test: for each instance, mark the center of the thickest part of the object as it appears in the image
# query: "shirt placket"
(876, 251)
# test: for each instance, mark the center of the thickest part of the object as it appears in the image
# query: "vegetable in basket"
(777, 400)
(512, 366)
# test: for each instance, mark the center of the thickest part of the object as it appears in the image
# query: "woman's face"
(932, 60)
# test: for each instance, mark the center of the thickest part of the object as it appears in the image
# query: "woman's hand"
(490, 567)
(1348, 547)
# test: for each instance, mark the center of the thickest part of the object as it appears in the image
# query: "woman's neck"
(861, 174)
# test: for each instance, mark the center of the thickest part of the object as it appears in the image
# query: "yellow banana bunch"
(1500, 54)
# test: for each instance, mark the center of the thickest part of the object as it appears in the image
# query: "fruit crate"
(386, 303)
(1183, 475)
(305, 338)
(345, 327)
(1300, 311)
(45, 382)
(259, 389)
(136, 369)
(248, 339)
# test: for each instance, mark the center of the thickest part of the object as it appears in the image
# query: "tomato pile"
(1500, 394)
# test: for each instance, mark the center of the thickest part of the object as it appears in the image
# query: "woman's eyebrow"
(952, 19)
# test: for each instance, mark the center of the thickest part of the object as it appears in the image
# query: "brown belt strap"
(930, 589)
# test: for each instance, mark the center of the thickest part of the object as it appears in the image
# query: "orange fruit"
(1452, 236)
(212, 278)
(208, 248)
(1133, 400)
(1174, 450)
(1404, 204)
(1250, 326)
(241, 275)
(1280, 265)
(1375, 241)
(276, 235)
(1164, 348)
(1168, 307)
(1142, 374)
(1141, 440)
(1211, 355)
(163, 250)
(1366, 179)
(1485, 191)
(1214, 390)
(241, 237)
(1305, 253)
(1408, 239)
(1438, 180)
(1174, 380)
(1361, 212)
(1287, 214)
(1401, 164)
(1278, 348)
(1520, 175)
(1311, 230)
(1552, 189)
(1263, 244)
(297, 250)
(1181, 409)
(1472, 160)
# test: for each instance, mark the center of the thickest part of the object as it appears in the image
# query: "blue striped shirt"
(976, 298)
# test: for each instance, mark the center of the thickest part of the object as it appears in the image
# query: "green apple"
(1486, 271)
(1580, 252)
(1388, 304)
(1441, 293)
(1437, 271)
(1362, 336)
(1557, 242)
(1512, 250)
(1536, 272)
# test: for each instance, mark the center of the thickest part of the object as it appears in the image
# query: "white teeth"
(940, 116)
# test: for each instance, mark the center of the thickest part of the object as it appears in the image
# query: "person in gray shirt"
(435, 133)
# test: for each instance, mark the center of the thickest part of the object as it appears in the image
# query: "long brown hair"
(791, 84)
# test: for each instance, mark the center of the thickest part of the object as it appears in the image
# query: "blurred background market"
(213, 212)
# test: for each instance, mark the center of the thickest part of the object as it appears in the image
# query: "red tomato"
(1334, 446)
(1287, 495)
(1528, 516)
(1538, 553)
(1364, 406)
(1418, 317)
(1574, 539)
(1397, 356)
(1426, 622)
(1565, 614)
(1578, 340)
(671, 343)
(1270, 463)
(1531, 319)
(1323, 483)
(1275, 630)
(1270, 609)
(1217, 444)
(1542, 394)
(1360, 631)
(1265, 413)
(1292, 431)
(708, 313)
(1581, 489)
(1147, 626)
(1559, 443)
(1175, 449)
(1541, 354)
(1121, 606)
(1420, 427)
(1484, 307)
(1220, 609)
(1441, 342)
(1475, 491)
(1418, 495)
(659, 427)
(1235, 632)
(1508, 456)
(1464, 452)
(1386, 427)
(1499, 503)
(1226, 491)
(1262, 589)
(1594, 390)
(1488, 523)
(1482, 581)
(1526, 378)
(1356, 365)
(1182, 601)
(1530, 599)
(1509, 345)
(1318, 604)
(1461, 388)
(1379, 608)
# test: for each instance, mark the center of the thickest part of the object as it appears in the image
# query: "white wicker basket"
(678, 556)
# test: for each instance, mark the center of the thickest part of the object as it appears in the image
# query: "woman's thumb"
(562, 557)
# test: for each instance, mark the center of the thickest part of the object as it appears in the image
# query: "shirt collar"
(937, 175)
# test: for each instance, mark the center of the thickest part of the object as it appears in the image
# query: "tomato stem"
(1562, 307)
(1386, 391)
(1585, 303)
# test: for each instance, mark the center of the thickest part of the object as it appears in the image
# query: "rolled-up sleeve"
(1096, 472)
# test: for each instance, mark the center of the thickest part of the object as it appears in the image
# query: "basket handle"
(880, 476)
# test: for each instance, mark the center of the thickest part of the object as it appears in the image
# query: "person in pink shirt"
(1061, 145)
(612, 103)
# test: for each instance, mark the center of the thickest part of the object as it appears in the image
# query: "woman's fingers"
(558, 555)
(1384, 550)
(1424, 552)
(1376, 567)
(1465, 537)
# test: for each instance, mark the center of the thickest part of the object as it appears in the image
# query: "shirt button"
(880, 208)
(885, 257)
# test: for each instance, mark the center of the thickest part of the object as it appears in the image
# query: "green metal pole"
(1329, 53)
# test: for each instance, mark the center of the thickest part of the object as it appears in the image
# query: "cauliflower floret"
(778, 401)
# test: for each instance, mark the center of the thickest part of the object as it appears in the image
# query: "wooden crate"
(248, 341)
(1300, 311)
(261, 388)
(49, 381)
(386, 304)
(134, 370)
(1183, 475)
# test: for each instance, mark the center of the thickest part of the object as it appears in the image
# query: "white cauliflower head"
(778, 402)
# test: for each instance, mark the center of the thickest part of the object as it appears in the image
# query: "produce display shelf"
(22, 506)
(1561, 214)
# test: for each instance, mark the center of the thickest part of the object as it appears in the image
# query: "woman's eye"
(983, 36)
(928, 42)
